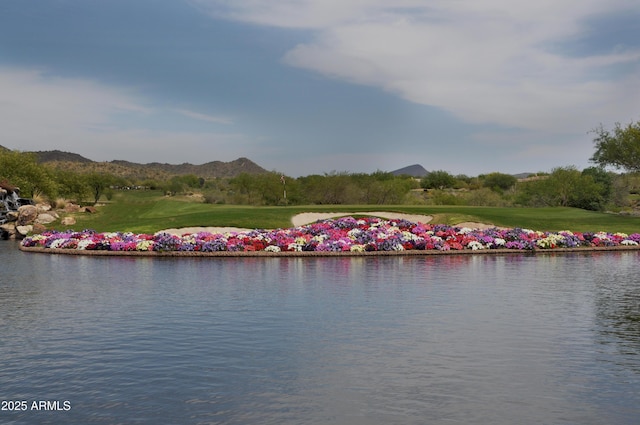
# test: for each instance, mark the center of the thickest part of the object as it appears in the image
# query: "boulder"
(8, 231)
(68, 221)
(27, 214)
(43, 207)
(23, 230)
(45, 218)
(38, 228)
(72, 208)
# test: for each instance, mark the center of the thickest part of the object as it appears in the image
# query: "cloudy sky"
(314, 86)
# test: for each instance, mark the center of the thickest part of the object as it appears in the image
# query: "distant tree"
(577, 189)
(381, 188)
(71, 185)
(330, 188)
(619, 148)
(22, 170)
(463, 181)
(439, 179)
(270, 188)
(337, 188)
(603, 177)
(566, 187)
(245, 185)
(498, 181)
(98, 183)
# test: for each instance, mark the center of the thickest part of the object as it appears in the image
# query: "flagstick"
(284, 188)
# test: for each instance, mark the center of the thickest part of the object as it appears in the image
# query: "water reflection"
(406, 340)
(617, 306)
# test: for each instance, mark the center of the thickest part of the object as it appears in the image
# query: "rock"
(27, 214)
(8, 231)
(38, 228)
(72, 208)
(68, 221)
(45, 218)
(90, 210)
(24, 230)
(12, 216)
(44, 207)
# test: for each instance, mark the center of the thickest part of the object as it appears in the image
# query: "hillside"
(209, 169)
(154, 170)
(60, 156)
(415, 170)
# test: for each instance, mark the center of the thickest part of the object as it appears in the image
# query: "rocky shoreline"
(263, 254)
(330, 237)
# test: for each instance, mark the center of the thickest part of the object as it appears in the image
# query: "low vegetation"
(565, 198)
(150, 211)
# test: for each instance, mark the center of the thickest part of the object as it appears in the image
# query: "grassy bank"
(148, 212)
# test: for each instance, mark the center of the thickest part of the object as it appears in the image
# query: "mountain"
(56, 155)
(154, 170)
(415, 170)
(209, 169)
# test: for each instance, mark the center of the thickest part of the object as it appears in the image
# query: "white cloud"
(40, 112)
(147, 145)
(495, 61)
(38, 109)
(204, 117)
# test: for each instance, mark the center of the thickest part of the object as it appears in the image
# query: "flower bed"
(343, 235)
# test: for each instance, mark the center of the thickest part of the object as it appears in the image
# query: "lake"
(547, 338)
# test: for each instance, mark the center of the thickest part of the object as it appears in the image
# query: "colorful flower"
(345, 234)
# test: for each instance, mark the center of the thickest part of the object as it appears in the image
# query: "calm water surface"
(547, 339)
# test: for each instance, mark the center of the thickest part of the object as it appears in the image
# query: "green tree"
(22, 170)
(439, 179)
(619, 148)
(98, 183)
(71, 185)
(602, 177)
(565, 187)
(245, 186)
(330, 188)
(498, 182)
(270, 188)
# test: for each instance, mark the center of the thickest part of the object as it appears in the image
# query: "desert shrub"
(485, 197)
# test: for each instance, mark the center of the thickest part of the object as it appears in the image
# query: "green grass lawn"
(148, 212)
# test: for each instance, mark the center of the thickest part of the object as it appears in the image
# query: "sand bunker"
(306, 218)
(222, 230)
(311, 217)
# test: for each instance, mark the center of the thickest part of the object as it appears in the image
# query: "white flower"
(57, 243)
(144, 245)
(410, 236)
(475, 245)
(272, 248)
(499, 242)
(84, 243)
(292, 246)
(629, 242)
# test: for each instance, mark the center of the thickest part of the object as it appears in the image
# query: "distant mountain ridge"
(211, 169)
(418, 171)
(415, 170)
(56, 155)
